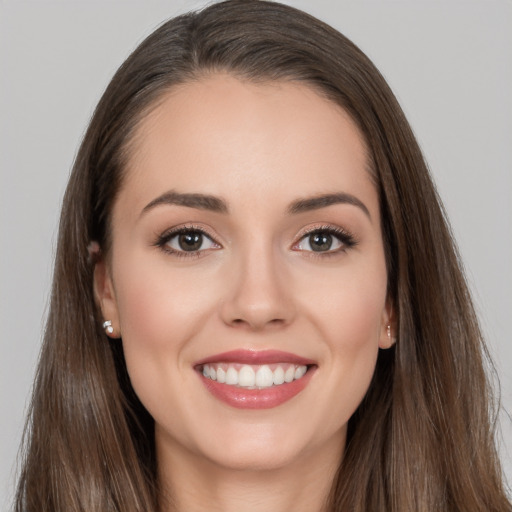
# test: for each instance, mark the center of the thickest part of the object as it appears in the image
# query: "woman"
(256, 303)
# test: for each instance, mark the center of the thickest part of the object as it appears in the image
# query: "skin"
(257, 285)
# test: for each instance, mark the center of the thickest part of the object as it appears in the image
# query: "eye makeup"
(193, 241)
(325, 240)
(188, 241)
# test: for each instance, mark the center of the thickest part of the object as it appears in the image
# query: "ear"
(388, 327)
(105, 296)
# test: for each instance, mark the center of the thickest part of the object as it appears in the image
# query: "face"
(247, 276)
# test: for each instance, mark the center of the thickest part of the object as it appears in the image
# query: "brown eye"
(324, 240)
(320, 242)
(327, 240)
(190, 241)
(187, 241)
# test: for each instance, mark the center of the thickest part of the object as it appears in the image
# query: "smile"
(254, 376)
(248, 379)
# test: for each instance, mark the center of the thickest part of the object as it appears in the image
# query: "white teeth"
(300, 371)
(278, 377)
(254, 377)
(246, 377)
(289, 375)
(221, 375)
(264, 377)
(232, 376)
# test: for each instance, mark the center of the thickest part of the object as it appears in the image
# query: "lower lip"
(266, 398)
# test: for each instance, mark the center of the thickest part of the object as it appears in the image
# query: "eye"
(186, 240)
(326, 240)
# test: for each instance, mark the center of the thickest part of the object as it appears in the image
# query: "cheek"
(349, 305)
(353, 332)
(160, 312)
(159, 307)
(347, 310)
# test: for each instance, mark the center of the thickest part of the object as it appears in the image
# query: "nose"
(259, 296)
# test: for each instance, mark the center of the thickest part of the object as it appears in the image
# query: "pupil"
(320, 242)
(190, 241)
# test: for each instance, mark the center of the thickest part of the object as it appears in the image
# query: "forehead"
(227, 137)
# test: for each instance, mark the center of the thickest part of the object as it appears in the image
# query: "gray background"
(449, 63)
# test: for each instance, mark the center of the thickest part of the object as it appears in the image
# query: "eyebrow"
(199, 201)
(322, 201)
(216, 204)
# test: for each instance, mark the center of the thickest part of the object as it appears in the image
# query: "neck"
(193, 484)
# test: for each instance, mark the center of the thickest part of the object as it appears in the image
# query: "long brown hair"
(422, 439)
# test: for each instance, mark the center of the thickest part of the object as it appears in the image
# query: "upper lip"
(255, 357)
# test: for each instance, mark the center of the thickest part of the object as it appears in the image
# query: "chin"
(254, 458)
(263, 447)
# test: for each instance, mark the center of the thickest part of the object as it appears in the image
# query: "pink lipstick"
(255, 379)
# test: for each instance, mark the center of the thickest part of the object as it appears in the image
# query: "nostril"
(248, 309)
(255, 324)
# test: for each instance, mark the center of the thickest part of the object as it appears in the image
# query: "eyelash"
(164, 239)
(346, 238)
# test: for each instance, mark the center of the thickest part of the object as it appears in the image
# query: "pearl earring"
(392, 340)
(107, 325)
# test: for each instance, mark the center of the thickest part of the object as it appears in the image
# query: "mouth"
(254, 376)
(249, 379)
